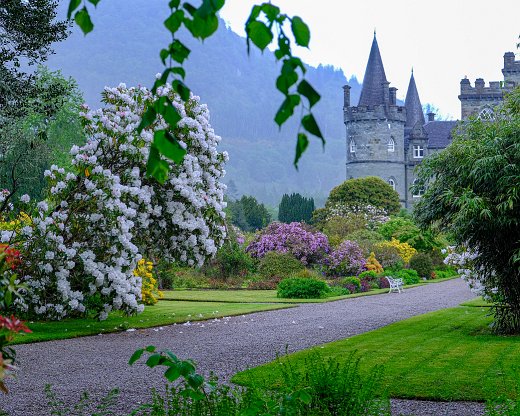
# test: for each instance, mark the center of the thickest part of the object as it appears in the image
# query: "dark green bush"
(444, 274)
(279, 265)
(352, 283)
(369, 274)
(422, 263)
(231, 261)
(297, 288)
(409, 276)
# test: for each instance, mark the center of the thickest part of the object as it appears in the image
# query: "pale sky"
(443, 40)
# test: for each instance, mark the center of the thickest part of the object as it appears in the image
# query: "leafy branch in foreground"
(264, 22)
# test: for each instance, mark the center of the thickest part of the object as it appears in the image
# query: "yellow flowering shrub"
(149, 287)
(14, 225)
(405, 250)
(372, 264)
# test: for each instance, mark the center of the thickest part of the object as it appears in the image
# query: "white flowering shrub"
(97, 223)
(464, 260)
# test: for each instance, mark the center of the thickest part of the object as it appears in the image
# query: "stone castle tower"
(389, 140)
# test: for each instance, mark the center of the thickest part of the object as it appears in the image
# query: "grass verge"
(444, 355)
(163, 313)
(263, 296)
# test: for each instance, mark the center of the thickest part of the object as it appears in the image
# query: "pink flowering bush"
(295, 238)
(346, 260)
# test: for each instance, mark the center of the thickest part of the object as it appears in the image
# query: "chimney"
(346, 96)
(431, 116)
(393, 94)
(509, 59)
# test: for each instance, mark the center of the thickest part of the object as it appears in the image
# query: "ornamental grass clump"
(308, 246)
(346, 260)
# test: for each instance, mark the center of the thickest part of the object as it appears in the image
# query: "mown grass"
(163, 313)
(444, 355)
(262, 296)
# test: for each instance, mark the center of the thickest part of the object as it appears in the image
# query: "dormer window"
(418, 151)
(352, 146)
(391, 145)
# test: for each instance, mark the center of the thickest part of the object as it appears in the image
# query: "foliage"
(276, 264)
(106, 406)
(472, 191)
(372, 264)
(409, 276)
(338, 227)
(446, 273)
(352, 283)
(388, 256)
(248, 214)
(422, 263)
(406, 231)
(97, 222)
(150, 293)
(346, 260)
(29, 144)
(365, 239)
(302, 288)
(231, 259)
(27, 31)
(404, 250)
(295, 208)
(366, 191)
(202, 22)
(301, 241)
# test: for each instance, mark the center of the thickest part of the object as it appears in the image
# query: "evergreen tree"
(248, 214)
(295, 208)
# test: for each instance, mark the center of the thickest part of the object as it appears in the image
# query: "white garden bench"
(396, 285)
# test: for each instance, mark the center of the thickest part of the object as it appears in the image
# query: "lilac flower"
(346, 260)
(307, 246)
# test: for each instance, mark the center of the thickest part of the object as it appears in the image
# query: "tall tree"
(473, 193)
(295, 208)
(27, 31)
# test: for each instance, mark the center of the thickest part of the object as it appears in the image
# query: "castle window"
(352, 146)
(391, 145)
(486, 114)
(391, 182)
(418, 152)
(418, 193)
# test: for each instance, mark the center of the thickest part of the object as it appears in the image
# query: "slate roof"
(439, 133)
(414, 111)
(372, 92)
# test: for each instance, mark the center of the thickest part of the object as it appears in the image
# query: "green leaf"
(202, 28)
(153, 360)
(174, 21)
(301, 145)
(306, 89)
(156, 167)
(82, 18)
(135, 356)
(271, 11)
(168, 146)
(94, 2)
(301, 32)
(164, 55)
(73, 5)
(180, 88)
(195, 380)
(209, 7)
(259, 34)
(286, 110)
(187, 368)
(309, 124)
(147, 119)
(178, 51)
(173, 4)
(190, 8)
(173, 373)
(150, 348)
(170, 113)
(179, 71)
(285, 81)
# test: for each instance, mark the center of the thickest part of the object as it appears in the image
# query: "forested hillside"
(238, 89)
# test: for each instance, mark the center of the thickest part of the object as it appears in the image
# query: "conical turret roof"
(373, 91)
(414, 111)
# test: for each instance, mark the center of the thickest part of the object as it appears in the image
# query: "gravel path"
(225, 346)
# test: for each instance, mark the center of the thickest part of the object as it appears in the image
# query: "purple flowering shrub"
(310, 247)
(346, 260)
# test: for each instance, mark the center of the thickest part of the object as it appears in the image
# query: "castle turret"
(375, 128)
(414, 111)
(511, 69)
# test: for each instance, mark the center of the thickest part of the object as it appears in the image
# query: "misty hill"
(238, 89)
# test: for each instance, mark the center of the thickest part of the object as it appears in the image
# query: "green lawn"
(261, 296)
(443, 355)
(163, 313)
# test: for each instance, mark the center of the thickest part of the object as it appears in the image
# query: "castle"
(389, 140)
